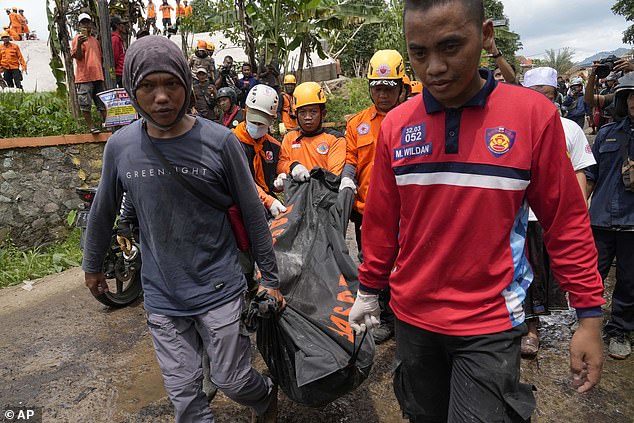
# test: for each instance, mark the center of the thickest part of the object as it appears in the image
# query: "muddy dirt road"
(81, 362)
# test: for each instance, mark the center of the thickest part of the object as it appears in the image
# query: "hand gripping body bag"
(310, 349)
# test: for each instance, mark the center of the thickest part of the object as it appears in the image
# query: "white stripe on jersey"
(462, 180)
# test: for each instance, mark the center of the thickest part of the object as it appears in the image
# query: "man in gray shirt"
(191, 276)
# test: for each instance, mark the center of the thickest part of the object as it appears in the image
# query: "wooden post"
(106, 44)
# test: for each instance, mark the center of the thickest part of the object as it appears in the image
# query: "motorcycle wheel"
(124, 288)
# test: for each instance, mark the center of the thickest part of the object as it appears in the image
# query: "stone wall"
(37, 189)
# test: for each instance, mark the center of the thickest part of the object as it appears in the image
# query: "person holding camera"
(611, 182)
(227, 77)
(605, 101)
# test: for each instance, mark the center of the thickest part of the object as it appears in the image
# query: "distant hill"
(588, 60)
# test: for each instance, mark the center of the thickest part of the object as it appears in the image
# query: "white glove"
(278, 183)
(276, 208)
(282, 128)
(300, 173)
(365, 313)
(347, 183)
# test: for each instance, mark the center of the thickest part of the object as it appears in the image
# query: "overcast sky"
(587, 26)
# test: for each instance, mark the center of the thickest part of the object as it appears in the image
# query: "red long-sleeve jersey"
(447, 210)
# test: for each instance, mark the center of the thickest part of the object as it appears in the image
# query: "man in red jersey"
(445, 224)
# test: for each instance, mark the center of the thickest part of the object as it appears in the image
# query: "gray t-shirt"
(189, 253)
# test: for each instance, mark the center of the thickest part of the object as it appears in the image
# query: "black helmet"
(228, 92)
(626, 84)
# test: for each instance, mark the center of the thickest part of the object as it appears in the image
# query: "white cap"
(203, 70)
(83, 16)
(577, 80)
(540, 76)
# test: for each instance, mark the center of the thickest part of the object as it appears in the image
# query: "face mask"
(6, 42)
(256, 131)
(201, 53)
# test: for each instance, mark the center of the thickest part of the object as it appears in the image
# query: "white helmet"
(577, 80)
(263, 98)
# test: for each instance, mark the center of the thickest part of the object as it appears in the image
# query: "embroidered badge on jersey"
(414, 134)
(499, 140)
(297, 143)
(363, 129)
(235, 123)
(322, 148)
(412, 151)
(269, 155)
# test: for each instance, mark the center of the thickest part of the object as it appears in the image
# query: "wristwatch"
(495, 56)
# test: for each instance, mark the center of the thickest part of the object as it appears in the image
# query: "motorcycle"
(122, 269)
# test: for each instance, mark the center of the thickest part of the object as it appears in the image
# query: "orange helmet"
(201, 45)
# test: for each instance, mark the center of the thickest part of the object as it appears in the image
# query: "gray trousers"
(179, 343)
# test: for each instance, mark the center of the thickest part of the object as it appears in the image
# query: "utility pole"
(106, 44)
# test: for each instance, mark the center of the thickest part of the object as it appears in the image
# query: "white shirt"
(578, 148)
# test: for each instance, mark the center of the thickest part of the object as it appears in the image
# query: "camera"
(225, 70)
(605, 66)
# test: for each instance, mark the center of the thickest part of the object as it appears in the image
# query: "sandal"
(529, 346)
(95, 131)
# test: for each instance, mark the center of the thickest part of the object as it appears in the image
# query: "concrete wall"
(37, 188)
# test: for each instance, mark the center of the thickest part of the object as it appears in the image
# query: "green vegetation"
(351, 98)
(36, 114)
(17, 265)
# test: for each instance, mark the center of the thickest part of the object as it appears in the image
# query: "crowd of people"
(471, 216)
(12, 63)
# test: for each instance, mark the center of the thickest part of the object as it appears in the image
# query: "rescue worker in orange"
(310, 145)
(10, 61)
(180, 12)
(286, 114)
(25, 24)
(16, 22)
(151, 17)
(188, 9)
(166, 10)
(261, 149)
(12, 33)
(387, 80)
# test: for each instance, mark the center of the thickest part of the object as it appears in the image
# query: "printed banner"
(119, 108)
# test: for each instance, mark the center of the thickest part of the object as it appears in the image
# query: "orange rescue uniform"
(25, 24)
(362, 132)
(11, 57)
(167, 11)
(259, 161)
(16, 22)
(151, 11)
(13, 34)
(288, 113)
(180, 10)
(326, 150)
(189, 10)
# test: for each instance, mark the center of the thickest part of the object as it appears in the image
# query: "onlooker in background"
(86, 51)
(188, 9)
(151, 17)
(204, 95)
(16, 22)
(612, 214)
(286, 111)
(605, 101)
(245, 83)
(231, 115)
(544, 294)
(575, 104)
(180, 12)
(561, 86)
(25, 25)
(119, 28)
(201, 59)
(211, 48)
(166, 11)
(10, 61)
(269, 74)
(504, 71)
(227, 77)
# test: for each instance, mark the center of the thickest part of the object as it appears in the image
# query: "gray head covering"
(153, 54)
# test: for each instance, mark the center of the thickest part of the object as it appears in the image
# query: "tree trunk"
(249, 38)
(106, 45)
(302, 55)
(64, 37)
